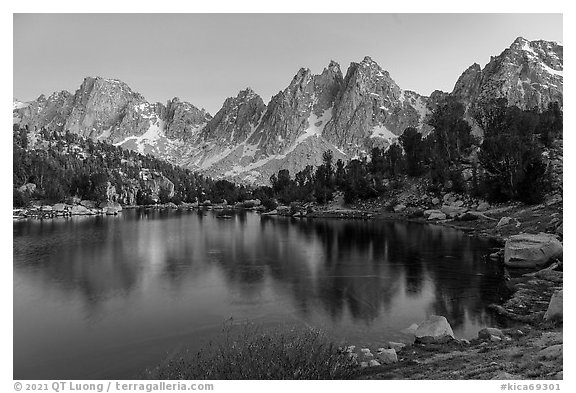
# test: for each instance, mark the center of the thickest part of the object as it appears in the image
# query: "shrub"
(255, 353)
(20, 199)
(269, 204)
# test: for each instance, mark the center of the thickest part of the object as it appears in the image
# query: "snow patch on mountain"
(552, 71)
(315, 127)
(19, 105)
(149, 139)
(526, 47)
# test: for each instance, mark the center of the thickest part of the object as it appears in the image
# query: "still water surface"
(107, 297)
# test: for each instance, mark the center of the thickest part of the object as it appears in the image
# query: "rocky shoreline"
(92, 208)
(530, 237)
(81, 208)
(531, 250)
(533, 349)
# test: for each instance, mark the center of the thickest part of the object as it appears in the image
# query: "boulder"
(398, 208)
(551, 353)
(555, 309)
(373, 363)
(483, 206)
(396, 346)
(458, 203)
(559, 375)
(79, 210)
(486, 333)
(88, 204)
(111, 205)
(109, 211)
(527, 250)
(507, 221)
(435, 201)
(387, 356)
(47, 208)
(435, 329)
(60, 207)
(437, 215)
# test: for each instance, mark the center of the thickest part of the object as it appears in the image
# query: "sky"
(205, 58)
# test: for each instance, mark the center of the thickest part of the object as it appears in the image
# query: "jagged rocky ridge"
(529, 74)
(247, 140)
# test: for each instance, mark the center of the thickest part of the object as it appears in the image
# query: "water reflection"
(164, 275)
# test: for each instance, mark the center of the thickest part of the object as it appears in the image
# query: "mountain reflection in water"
(105, 297)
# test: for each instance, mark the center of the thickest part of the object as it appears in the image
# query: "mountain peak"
(520, 41)
(248, 92)
(333, 66)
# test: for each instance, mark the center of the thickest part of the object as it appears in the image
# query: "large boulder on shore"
(489, 332)
(387, 356)
(88, 204)
(60, 207)
(555, 309)
(435, 215)
(527, 250)
(435, 329)
(110, 207)
(483, 206)
(79, 210)
(507, 221)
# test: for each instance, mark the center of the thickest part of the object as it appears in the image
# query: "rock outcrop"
(183, 121)
(371, 109)
(528, 250)
(555, 307)
(528, 74)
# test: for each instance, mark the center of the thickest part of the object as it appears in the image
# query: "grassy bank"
(252, 352)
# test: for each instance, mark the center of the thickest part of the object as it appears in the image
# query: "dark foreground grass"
(257, 353)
